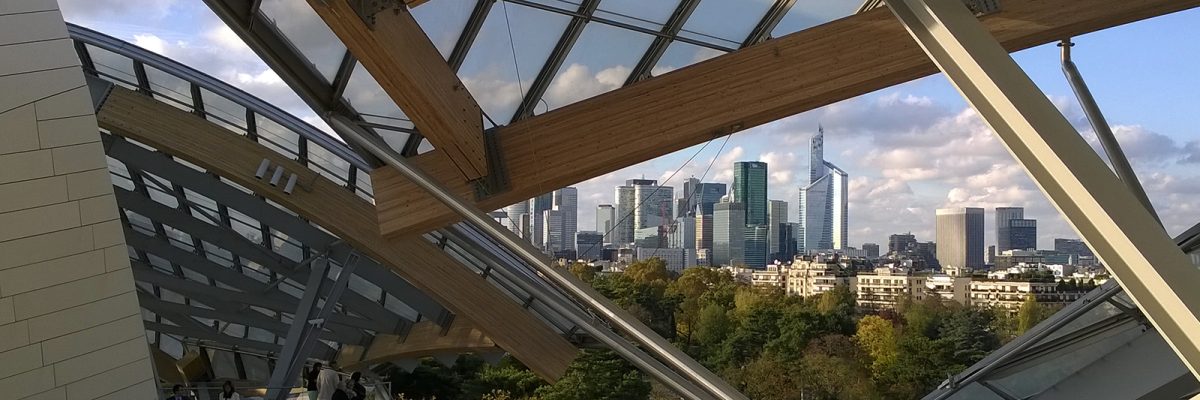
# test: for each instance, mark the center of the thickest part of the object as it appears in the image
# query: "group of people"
(325, 383)
(227, 393)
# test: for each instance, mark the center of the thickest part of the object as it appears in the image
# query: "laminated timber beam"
(409, 68)
(759, 84)
(426, 339)
(188, 137)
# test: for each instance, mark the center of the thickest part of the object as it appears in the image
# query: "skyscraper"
(537, 208)
(706, 195)
(1022, 234)
(960, 237)
(729, 229)
(776, 214)
(627, 201)
(654, 204)
(566, 200)
(824, 223)
(682, 234)
(901, 242)
(516, 214)
(685, 205)
(704, 232)
(785, 236)
(553, 232)
(589, 244)
(1072, 246)
(750, 189)
(1003, 237)
(756, 246)
(606, 219)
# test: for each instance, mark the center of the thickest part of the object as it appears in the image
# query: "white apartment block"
(1010, 294)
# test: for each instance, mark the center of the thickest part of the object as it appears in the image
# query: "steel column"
(1153, 271)
(655, 52)
(557, 56)
(762, 31)
(1112, 148)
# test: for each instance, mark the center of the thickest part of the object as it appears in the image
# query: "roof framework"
(221, 264)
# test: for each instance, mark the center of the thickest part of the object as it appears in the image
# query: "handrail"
(191, 75)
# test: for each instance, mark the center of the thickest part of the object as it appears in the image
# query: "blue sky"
(908, 149)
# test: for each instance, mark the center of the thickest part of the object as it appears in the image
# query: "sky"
(908, 149)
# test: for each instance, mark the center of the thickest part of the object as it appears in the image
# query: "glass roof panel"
(368, 98)
(680, 54)
(443, 21)
(178, 91)
(646, 14)
(600, 61)
(224, 111)
(308, 34)
(809, 13)
(113, 65)
(726, 23)
(490, 71)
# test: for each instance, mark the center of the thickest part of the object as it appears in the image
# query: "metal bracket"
(496, 181)
(367, 9)
(983, 7)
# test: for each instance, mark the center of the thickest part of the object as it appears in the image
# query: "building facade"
(1003, 215)
(676, 259)
(1010, 294)
(729, 230)
(777, 213)
(654, 205)
(755, 249)
(871, 249)
(884, 287)
(960, 237)
(606, 221)
(589, 245)
(750, 189)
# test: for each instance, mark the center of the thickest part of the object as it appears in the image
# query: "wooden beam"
(186, 136)
(762, 83)
(426, 339)
(410, 69)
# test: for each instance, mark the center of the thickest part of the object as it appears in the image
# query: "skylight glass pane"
(443, 22)
(224, 111)
(645, 14)
(726, 23)
(490, 71)
(299, 24)
(680, 54)
(170, 87)
(368, 98)
(600, 61)
(810, 13)
(114, 65)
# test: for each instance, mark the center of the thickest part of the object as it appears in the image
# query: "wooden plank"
(182, 134)
(424, 340)
(775, 79)
(413, 73)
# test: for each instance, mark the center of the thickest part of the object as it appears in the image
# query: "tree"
(511, 381)
(698, 288)
(835, 368)
(768, 377)
(598, 374)
(713, 326)
(966, 332)
(1030, 314)
(654, 269)
(583, 271)
(877, 337)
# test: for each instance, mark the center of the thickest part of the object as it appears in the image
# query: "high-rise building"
(1022, 234)
(537, 208)
(566, 200)
(606, 220)
(784, 235)
(589, 244)
(755, 249)
(901, 242)
(685, 205)
(518, 217)
(553, 234)
(776, 214)
(706, 195)
(1072, 246)
(652, 203)
(682, 234)
(824, 223)
(871, 249)
(1003, 237)
(750, 189)
(729, 230)
(623, 220)
(960, 237)
(704, 233)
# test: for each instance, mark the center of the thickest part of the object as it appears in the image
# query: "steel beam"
(659, 46)
(210, 335)
(1152, 270)
(762, 31)
(307, 322)
(557, 56)
(467, 38)
(243, 17)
